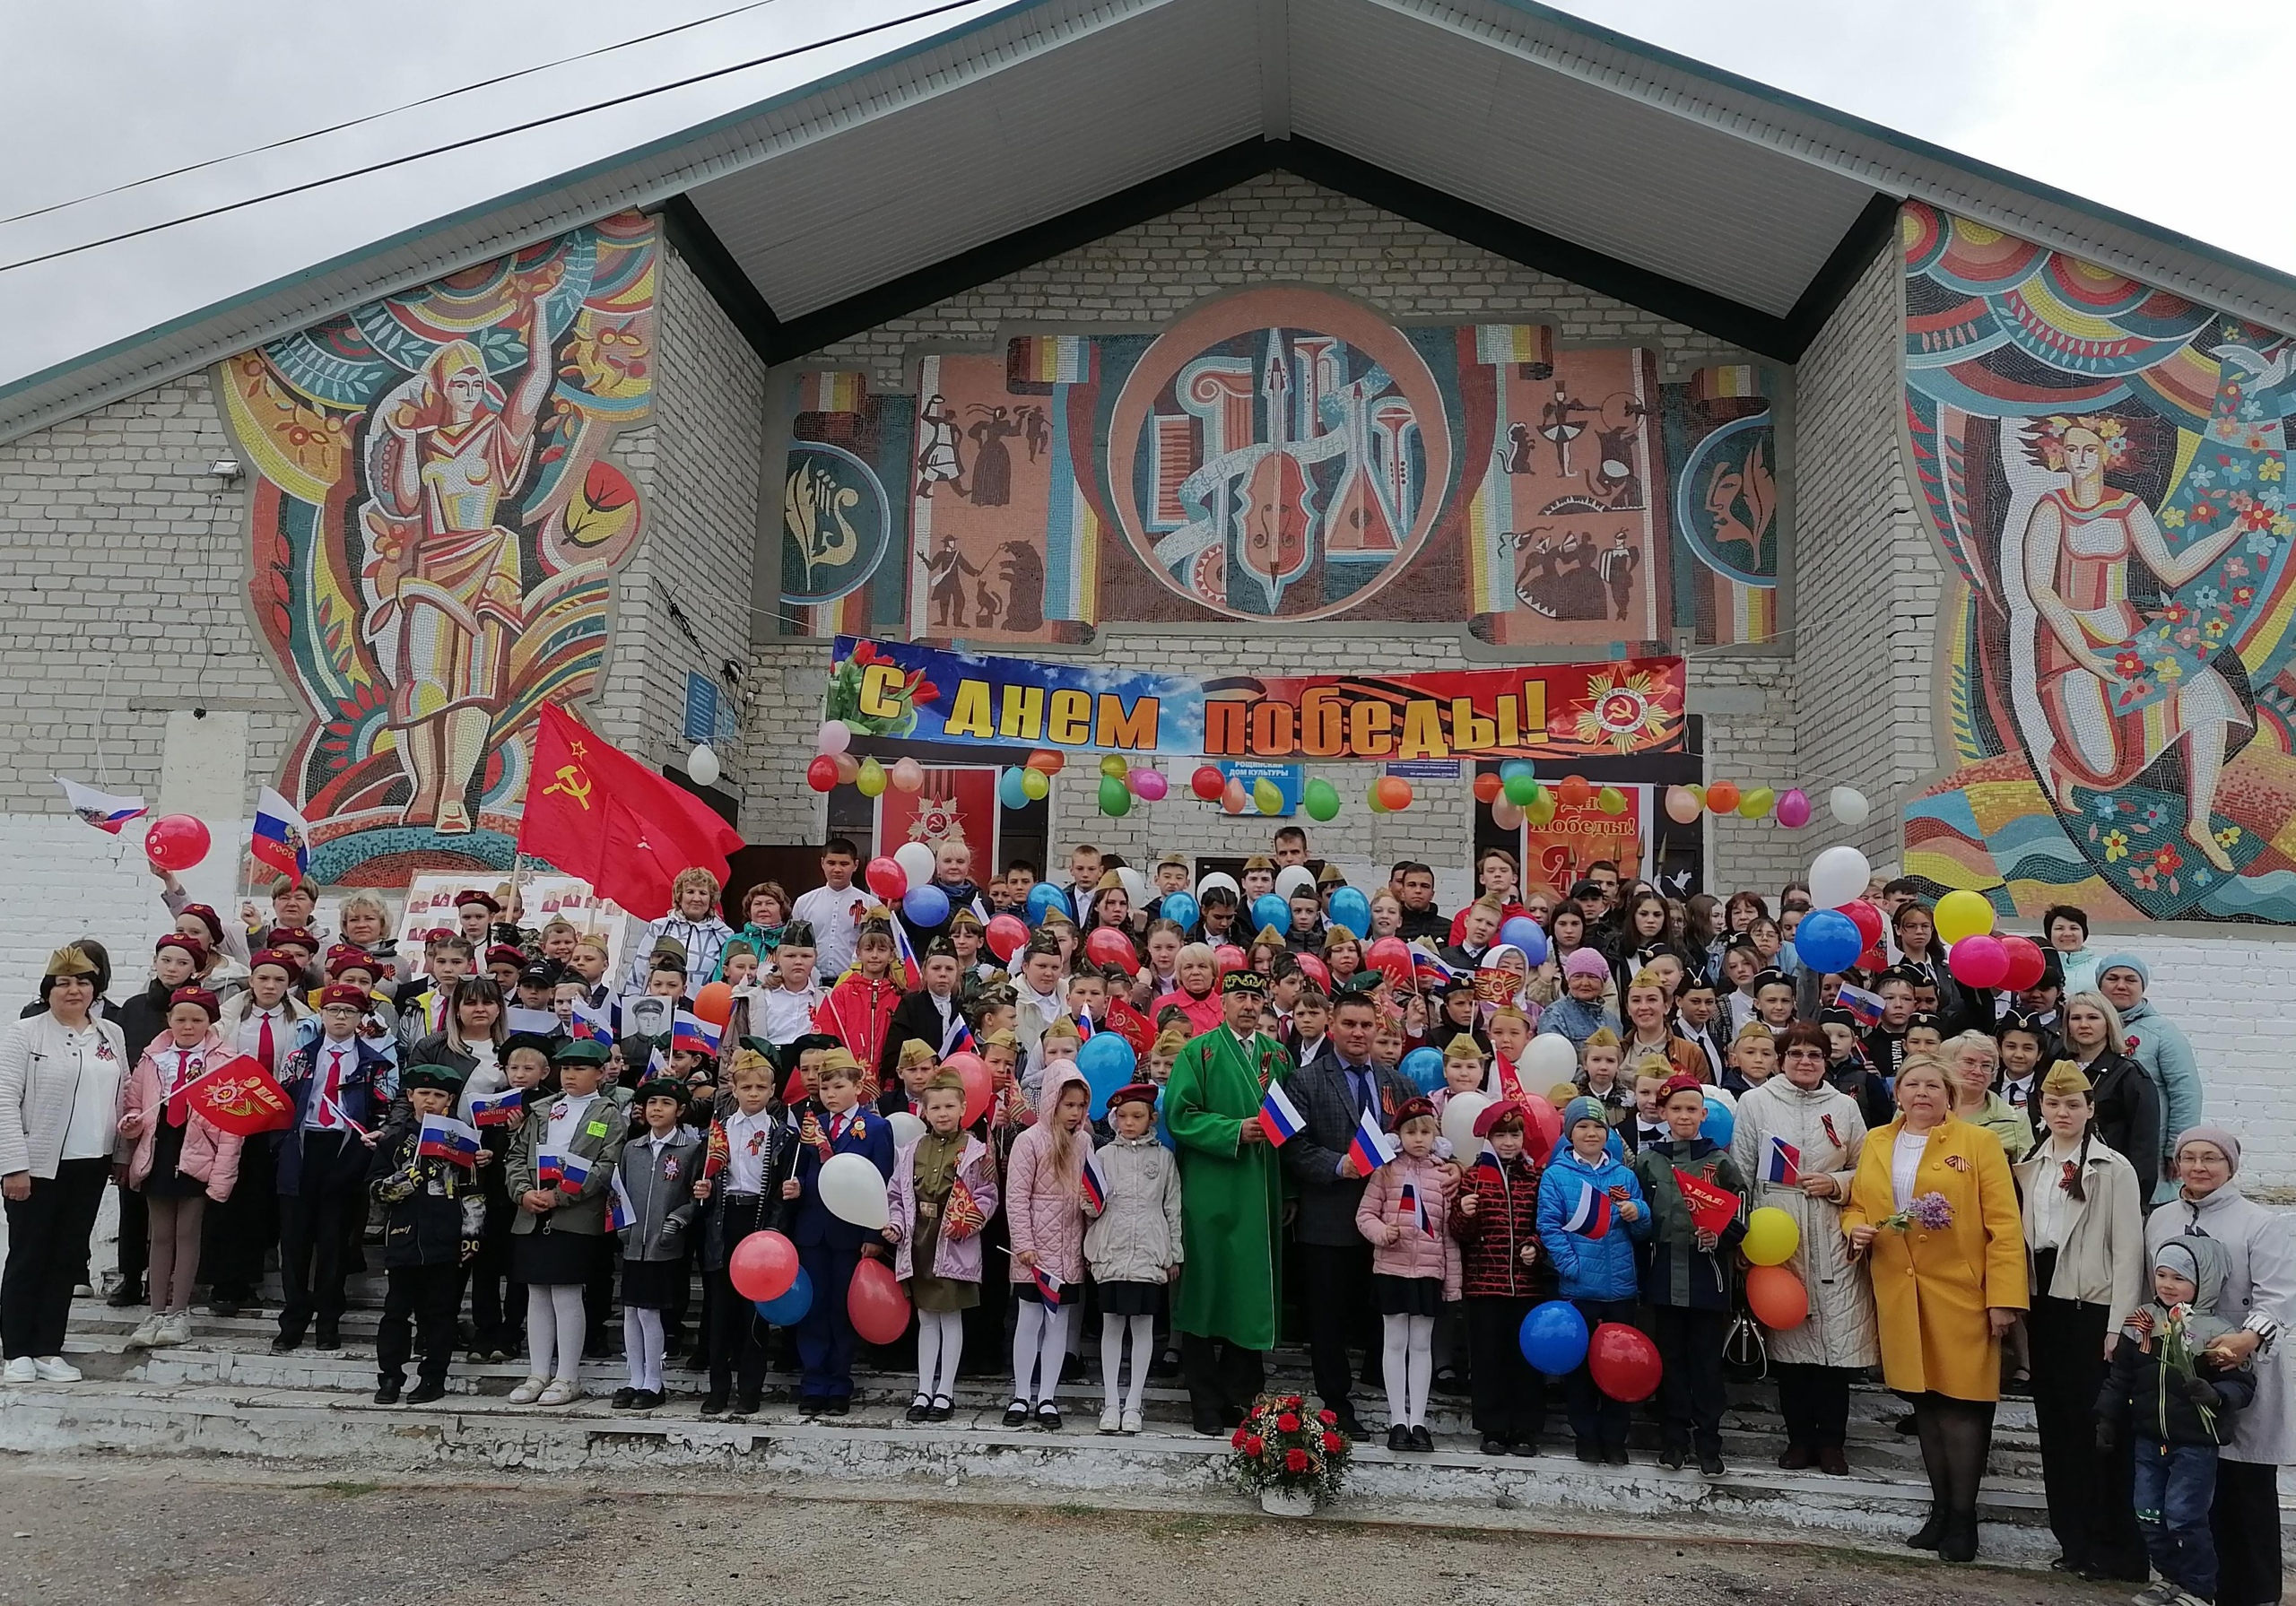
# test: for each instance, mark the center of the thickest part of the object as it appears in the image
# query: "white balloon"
(1849, 805)
(1458, 1124)
(1135, 886)
(1548, 1061)
(854, 1192)
(907, 1130)
(833, 738)
(1218, 878)
(701, 765)
(916, 861)
(1722, 1095)
(1839, 876)
(1293, 875)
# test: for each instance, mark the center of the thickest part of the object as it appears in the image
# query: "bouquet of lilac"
(1932, 1210)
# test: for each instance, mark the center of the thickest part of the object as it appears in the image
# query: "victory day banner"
(895, 689)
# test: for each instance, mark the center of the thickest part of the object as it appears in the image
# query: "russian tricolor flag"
(620, 1212)
(1370, 1147)
(1094, 1183)
(1279, 1117)
(495, 1109)
(1084, 1026)
(442, 1137)
(1413, 1209)
(1429, 971)
(1865, 1007)
(912, 975)
(547, 1168)
(587, 1025)
(1590, 1218)
(1047, 1284)
(573, 1171)
(959, 1039)
(1782, 1164)
(281, 836)
(692, 1033)
(106, 810)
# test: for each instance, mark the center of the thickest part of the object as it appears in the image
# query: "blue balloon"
(1718, 1125)
(1268, 910)
(1512, 768)
(1828, 940)
(1553, 1338)
(1044, 897)
(1106, 1062)
(925, 905)
(1350, 909)
(1523, 932)
(1424, 1066)
(1010, 793)
(790, 1308)
(1180, 909)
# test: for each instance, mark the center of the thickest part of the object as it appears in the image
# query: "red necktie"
(262, 1048)
(328, 1112)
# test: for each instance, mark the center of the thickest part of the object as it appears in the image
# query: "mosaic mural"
(436, 524)
(1287, 455)
(2105, 464)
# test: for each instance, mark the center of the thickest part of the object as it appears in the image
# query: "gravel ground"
(153, 1535)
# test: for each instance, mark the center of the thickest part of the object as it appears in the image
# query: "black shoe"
(1909, 1426)
(811, 1405)
(1957, 1540)
(1164, 1366)
(1422, 1441)
(1016, 1415)
(713, 1403)
(1072, 1369)
(1351, 1425)
(426, 1391)
(387, 1394)
(622, 1398)
(1494, 1445)
(1450, 1380)
(1523, 1447)
(1048, 1417)
(284, 1345)
(648, 1399)
(1398, 1439)
(746, 1402)
(1673, 1457)
(1589, 1452)
(1926, 1536)
(1710, 1463)
(329, 1339)
(837, 1405)
(1615, 1455)
(218, 1305)
(1205, 1422)
(942, 1408)
(126, 1294)
(920, 1409)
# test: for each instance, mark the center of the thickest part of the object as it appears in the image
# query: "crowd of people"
(1993, 1191)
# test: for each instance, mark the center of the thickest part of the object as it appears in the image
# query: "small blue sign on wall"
(701, 707)
(1289, 779)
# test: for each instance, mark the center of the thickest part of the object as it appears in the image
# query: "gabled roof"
(1045, 124)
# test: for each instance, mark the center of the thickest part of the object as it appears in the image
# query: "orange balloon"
(715, 1003)
(1776, 1298)
(1721, 798)
(1486, 788)
(1572, 791)
(1395, 793)
(1049, 760)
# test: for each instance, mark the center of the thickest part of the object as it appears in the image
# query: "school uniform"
(1687, 1289)
(321, 1175)
(747, 1160)
(920, 1017)
(433, 1214)
(560, 1246)
(497, 1299)
(829, 1249)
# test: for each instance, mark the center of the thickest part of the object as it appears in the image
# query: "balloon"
(1268, 910)
(1866, 917)
(1206, 783)
(1849, 806)
(1520, 788)
(1683, 805)
(1723, 1097)
(1371, 799)
(1395, 792)
(1979, 962)
(1458, 1124)
(1115, 799)
(1006, 935)
(1105, 945)
(1228, 957)
(1350, 909)
(1047, 760)
(1294, 876)
(907, 1128)
(2026, 965)
(907, 776)
(1757, 804)
(1553, 1338)
(1771, 1236)
(1506, 816)
(853, 1190)
(1135, 884)
(1220, 879)
(1487, 788)
(1012, 789)
(1036, 785)
(1963, 914)
(1794, 810)
(1044, 897)
(820, 775)
(1391, 958)
(1549, 1059)
(1776, 1298)
(871, 780)
(701, 765)
(1148, 784)
(886, 879)
(1520, 930)
(1624, 1363)
(1179, 908)
(1720, 1124)
(1106, 1062)
(763, 1266)
(175, 842)
(1232, 800)
(1541, 808)
(1424, 1066)
(1112, 765)
(1268, 797)
(1839, 876)
(1828, 941)
(1316, 971)
(1320, 799)
(849, 768)
(925, 905)
(1509, 768)
(1573, 791)
(1545, 1122)
(916, 861)
(980, 1082)
(1721, 798)
(834, 737)
(879, 1310)
(715, 1004)
(1610, 800)
(790, 1308)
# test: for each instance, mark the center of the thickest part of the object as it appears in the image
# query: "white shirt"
(282, 1034)
(785, 1014)
(94, 1127)
(748, 1138)
(2047, 1198)
(834, 915)
(566, 1118)
(1904, 1162)
(331, 1062)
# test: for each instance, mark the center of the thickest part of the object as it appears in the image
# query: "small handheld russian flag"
(281, 837)
(587, 1025)
(1279, 1117)
(106, 810)
(959, 1039)
(442, 1137)
(1865, 1008)
(547, 1168)
(620, 1212)
(573, 1171)
(1369, 1147)
(1413, 1209)
(1783, 1164)
(1084, 1026)
(1094, 1183)
(1047, 1284)
(495, 1109)
(1590, 1218)
(692, 1033)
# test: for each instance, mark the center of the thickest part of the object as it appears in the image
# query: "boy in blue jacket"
(1591, 1217)
(829, 1248)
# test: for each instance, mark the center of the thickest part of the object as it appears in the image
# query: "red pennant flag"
(238, 1096)
(595, 812)
(1711, 1208)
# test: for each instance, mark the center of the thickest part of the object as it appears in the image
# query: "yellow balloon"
(871, 781)
(1771, 1236)
(1963, 914)
(1371, 799)
(1035, 784)
(1267, 796)
(1757, 802)
(1610, 800)
(1113, 767)
(1541, 808)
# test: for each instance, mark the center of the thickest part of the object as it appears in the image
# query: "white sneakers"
(174, 1328)
(54, 1368)
(559, 1392)
(147, 1332)
(528, 1392)
(1132, 1421)
(20, 1370)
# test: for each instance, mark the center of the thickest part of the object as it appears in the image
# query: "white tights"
(1410, 1357)
(641, 1339)
(555, 1328)
(1039, 1344)
(1143, 1340)
(940, 1345)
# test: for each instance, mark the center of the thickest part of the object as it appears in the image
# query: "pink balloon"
(1147, 785)
(1979, 961)
(1232, 799)
(1794, 810)
(834, 737)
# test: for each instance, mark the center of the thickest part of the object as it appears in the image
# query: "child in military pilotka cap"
(433, 1215)
(653, 1208)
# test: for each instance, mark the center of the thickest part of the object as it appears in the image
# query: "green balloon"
(1116, 797)
(1520, 787)
(1321, 800)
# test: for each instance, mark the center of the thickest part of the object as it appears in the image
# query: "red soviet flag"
(595, 812)
(238, 1096)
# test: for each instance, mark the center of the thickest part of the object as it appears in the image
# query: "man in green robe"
(1231, 1205)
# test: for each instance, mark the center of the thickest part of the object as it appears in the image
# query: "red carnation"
(1287, 1423)
(1329, 1419)
(1254, 1444)
(1295, 1461)
(1237, 1439)
(1333, 1444)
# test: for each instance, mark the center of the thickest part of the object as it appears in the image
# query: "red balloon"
(1207, 782)
(879, 1309)
(763, 1266)
(1776, 1298)
(1979, 962)
(1722, 797)
(1049, 760)
(1391, 958)
(820, 775)
(175, 842)
(1108, 946)
(1487, 788)
(1317, 971)
(1624, 1363)
(980, 1082)
(1572, 792)
(1546, 1125)
(2026, 964)
(715, 1004)
(1230, 957)
(1866, 918)
(887, 880)
(1394, 794)
(1007, 934)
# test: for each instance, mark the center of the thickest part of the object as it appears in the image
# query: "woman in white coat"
(2259, 1294)
(1822, 1133)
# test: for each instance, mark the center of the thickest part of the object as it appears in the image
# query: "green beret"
(547, 1045)
(443, 1079)
(581, 1051)
(662, 1087)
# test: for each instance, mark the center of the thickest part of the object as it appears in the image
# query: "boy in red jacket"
(1496, 1222)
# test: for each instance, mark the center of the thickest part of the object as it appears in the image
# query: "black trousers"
(1594, 1415)
(1691, 1389)
(47, 1244)
(736, 1339)
(2088, 1492)
(240, 1232)
(498, 1304)
(1509, 1394)
(419, 1304)
(1223, 1378)
(1815, 1400)
(135, 1236)
(318, 1228)
(1336, 1289)
(2244, 1522)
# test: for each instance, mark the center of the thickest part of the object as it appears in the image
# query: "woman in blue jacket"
(1591, 1217)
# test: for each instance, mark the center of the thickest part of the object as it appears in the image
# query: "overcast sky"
(2110, 99)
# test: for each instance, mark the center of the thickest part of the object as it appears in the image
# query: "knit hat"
(1586, 961)
(2224, 1142)
(1583, 1108)
(2124, 961)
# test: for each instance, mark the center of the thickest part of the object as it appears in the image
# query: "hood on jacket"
(2203, 1263)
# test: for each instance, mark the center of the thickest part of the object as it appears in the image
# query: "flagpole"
(517, 883)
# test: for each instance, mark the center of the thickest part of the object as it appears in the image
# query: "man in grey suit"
(1332, 1092)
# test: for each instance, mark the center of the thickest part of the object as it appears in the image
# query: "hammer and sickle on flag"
(572, 783)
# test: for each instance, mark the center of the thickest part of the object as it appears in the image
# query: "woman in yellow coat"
(1944, 1293)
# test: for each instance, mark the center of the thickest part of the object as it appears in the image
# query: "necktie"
(329, 1111)
(263, 1044)
(1359, 1080)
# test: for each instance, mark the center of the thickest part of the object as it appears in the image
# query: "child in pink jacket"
(1044, 1210)
(1414, 1266)
(181, 1161)
(944, 1191)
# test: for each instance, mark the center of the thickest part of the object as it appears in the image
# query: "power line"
(373, 117)
(479, 139)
